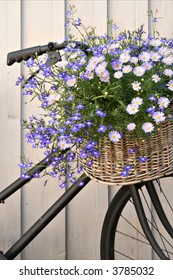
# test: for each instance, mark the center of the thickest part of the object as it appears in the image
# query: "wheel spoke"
(120, 253)
(132, 237)
(137, 230)
(153, 223)
(122, 232)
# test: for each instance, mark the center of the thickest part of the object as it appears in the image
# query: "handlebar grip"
(25, 54)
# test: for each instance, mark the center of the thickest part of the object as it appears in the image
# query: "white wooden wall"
(75, 233)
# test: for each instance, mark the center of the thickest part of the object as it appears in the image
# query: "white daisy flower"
(148, 127)
(118, 74)
(144, 56)
(116, 65)
(51, 99)
(139, 71)
(155, 56)
(101, 58)
(168, 60)
(124, 57)
(90, 67)
(163, 102)
(137, 101)
(168, 72)
(62, 144)
(89, 75)
(127, 69)
(158, 116)
(170, 85)
(155, 42)
(134, 60)
(132, 109)
(136, 86)
(93, 60)
(147, 65)
(156, 78)
(114, 136)
(71, 81)
(164, 51)
(131, 126)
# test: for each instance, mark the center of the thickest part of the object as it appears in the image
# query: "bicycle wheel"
(123, 236)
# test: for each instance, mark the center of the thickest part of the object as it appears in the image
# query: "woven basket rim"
(133, 182)
(158, 148)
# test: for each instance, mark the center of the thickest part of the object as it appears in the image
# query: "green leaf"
(97, 97)
(122, 104)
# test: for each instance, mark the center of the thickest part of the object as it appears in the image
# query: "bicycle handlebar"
(25, 54)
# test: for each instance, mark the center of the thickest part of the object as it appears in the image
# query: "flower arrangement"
(104, 87)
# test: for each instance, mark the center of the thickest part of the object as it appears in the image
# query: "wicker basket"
(158, 149)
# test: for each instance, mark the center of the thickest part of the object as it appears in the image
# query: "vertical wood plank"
(165, 21)
(128, 14)
(10, 122)
(42, 22)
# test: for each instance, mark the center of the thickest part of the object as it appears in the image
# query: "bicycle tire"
(122, 239)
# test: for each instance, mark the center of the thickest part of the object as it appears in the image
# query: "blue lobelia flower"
(100, 113)
(102, 128)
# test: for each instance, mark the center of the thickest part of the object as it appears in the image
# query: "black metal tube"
(143, 221)
(158, 207)
(20, 182)
(47, 217)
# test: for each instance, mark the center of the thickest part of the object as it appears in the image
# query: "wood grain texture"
(75, 233)
(9, 116)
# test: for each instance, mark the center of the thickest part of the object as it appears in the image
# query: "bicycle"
(144, 199)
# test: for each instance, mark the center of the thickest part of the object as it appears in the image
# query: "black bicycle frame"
(49, 215)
